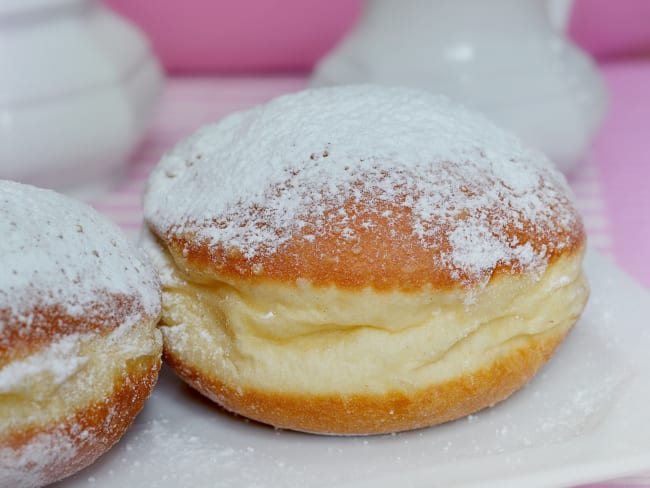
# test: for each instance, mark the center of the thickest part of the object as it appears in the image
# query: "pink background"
(244, 36)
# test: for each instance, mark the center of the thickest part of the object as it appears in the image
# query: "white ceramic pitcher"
(502, 57)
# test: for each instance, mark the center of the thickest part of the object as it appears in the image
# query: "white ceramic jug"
(77, 88)
(502, 57)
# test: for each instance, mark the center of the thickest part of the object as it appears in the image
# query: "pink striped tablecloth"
(610, 185)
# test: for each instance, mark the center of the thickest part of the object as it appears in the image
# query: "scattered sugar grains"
(255, 178)
(200, 461)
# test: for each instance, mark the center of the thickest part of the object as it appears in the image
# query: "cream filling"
(70, 374)
(304, 339)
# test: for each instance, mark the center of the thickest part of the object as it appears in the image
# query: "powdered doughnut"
(359, 260)
(79, 351)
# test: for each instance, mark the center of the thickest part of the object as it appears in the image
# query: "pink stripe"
(623, 152)
(110, 207)
(130, 225)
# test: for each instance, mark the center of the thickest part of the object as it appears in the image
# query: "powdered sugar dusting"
(61, 359)
(56, 252)
(28, 467)
(257, 179)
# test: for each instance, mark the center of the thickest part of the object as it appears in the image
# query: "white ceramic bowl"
(78, 87)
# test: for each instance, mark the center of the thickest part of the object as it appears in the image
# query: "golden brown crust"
(93, 429)
(358, 187)
(390, 412)
(386, 253)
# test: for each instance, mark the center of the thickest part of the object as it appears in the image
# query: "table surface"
(610, 184)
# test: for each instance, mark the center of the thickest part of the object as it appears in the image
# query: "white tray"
(585, 417)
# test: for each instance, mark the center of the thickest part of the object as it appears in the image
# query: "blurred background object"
(612, 30)
(243, 36)
(502, 57)
(77, 90)
(279, 36)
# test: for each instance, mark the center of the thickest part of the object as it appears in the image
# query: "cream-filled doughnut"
(79, 348)
(361, 259)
